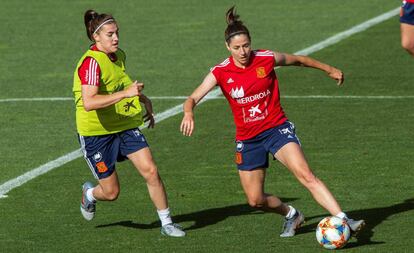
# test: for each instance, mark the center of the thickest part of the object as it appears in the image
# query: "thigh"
(110, 183)
(253, 182)
(291, 155)
(407, 34)
(143, 161)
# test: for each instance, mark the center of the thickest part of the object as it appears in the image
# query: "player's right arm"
(92, 100)
(187, 124)
(89, 73)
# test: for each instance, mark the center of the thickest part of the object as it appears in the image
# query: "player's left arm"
(149, 115)
(284, 59)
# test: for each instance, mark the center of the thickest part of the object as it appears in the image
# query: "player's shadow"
(200, 219)
(372, 217)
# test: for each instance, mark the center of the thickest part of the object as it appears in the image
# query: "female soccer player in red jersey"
(249, 83)
(108, 114)
(407, 26)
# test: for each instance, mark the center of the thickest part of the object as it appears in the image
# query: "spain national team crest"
(101, 167)
(239, 158)
(260, 72)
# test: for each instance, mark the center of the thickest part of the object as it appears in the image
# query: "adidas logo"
(230, 80)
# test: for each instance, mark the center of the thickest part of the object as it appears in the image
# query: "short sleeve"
(89, 72)
(216, 73)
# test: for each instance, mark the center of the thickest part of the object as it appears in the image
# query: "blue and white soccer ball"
(333, 232)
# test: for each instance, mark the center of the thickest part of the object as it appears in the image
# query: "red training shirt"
(252, 92)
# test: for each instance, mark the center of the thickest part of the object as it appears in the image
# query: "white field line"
(18, 181)
(345, 34)
(5, 100)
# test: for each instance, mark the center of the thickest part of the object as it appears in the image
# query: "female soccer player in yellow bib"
(108, 114)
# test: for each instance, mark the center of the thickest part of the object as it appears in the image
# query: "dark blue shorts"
(102, 152)
(407, 13)
(254, 153)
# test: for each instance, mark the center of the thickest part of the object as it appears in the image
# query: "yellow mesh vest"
(125, 114)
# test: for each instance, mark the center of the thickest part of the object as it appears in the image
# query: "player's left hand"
(149, 115)
(337, 75)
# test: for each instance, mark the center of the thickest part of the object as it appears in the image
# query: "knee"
(255, 202)
(307, 178)
(151, 175)
(408, 45)
(111, 194)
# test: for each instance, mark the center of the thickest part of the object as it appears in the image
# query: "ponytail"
(234, 25)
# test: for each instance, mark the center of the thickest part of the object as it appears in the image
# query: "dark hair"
(234, 25)
(93, 20)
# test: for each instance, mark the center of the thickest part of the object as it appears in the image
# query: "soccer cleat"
(355, 225)
(173, 230)
(290, 225)
(87, 207)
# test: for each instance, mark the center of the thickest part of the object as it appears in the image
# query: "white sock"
(89, 195)
(164, 216)
(291, 213)
(342, 215)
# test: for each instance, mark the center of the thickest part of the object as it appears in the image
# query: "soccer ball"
(332, 232)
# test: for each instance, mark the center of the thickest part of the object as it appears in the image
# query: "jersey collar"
(112, 56)
(238, 69)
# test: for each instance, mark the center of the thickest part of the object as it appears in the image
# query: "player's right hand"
(187, 124)
(134, 89)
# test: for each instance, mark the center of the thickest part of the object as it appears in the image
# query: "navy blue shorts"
(407, 13)
(254, 153)
(102, 152)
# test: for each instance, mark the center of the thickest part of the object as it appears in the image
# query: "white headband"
(106, 21)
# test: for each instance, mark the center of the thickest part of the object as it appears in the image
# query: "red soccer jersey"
(409, 1)
(252, 92)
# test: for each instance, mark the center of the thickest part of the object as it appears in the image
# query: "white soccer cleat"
(290, 225)
(87, 207)
(355, 225)
(173, 230)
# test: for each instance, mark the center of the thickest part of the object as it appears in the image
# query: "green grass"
(360, 147)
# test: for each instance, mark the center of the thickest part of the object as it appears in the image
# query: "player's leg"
(292, 157)
(100, 154)
(135, 147)
(252, 161)
(407, 37)
(252, 182)
(108, 188)
(143, 161)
